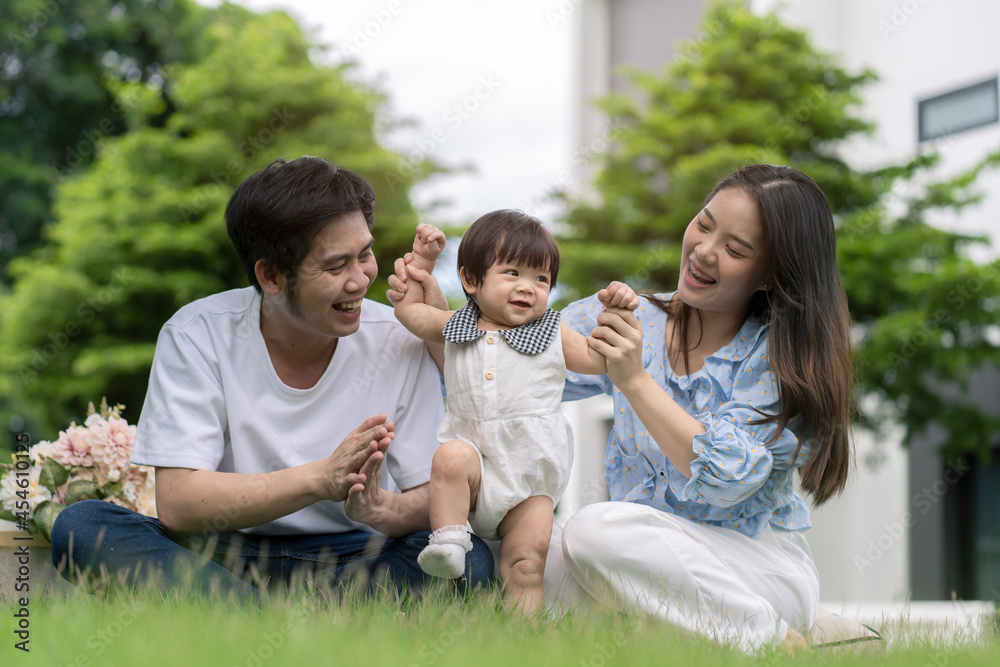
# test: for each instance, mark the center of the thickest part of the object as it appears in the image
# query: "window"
(958, 110)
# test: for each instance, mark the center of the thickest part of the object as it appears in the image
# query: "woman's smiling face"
(724, 259)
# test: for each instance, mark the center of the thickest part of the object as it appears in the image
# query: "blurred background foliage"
(124, 127)
(134, 231)
(57, 74)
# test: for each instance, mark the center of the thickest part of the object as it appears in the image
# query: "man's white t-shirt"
(215, 402)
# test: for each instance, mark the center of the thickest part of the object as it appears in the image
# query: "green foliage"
(59, 63)
(45, 517)
(53, 474)
(758, 91)
(140, 232)
(926, 313)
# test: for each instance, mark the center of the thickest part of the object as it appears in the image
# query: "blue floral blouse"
(737, 481)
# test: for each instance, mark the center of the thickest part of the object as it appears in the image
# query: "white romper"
(506, 404)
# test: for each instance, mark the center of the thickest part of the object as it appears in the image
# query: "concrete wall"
(611, 34)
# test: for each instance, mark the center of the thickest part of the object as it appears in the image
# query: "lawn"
(314, 630)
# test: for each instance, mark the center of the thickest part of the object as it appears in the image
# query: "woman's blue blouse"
(737, 481)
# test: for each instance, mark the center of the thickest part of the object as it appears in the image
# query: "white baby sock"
(445, 555)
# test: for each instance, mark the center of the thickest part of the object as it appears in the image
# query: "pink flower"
(110, 445)
(73, 448)
(99, 452)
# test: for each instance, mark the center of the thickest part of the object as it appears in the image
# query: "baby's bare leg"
(455, 478)
(524, 541)
(454, 487)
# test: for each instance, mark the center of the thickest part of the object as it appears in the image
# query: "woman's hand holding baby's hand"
(428, 243)
(619, 335)
(618, 295)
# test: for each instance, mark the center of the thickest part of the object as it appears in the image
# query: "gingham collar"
(531, 338)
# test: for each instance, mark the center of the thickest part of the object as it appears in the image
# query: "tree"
(59, 62)
(140, 232)
(758, 91)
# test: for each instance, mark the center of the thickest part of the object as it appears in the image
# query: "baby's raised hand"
(427, 246)
(618, 295)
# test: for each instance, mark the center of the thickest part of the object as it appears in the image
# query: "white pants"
(707, 580)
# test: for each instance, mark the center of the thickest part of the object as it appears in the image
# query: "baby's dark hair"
(506, 235)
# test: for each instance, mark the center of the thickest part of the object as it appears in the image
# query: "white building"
(908, 525)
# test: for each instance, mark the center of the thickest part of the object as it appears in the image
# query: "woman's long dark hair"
(806, 310)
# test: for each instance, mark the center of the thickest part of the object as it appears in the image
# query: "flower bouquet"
(89, 461)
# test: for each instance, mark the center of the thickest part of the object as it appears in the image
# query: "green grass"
(303, 631)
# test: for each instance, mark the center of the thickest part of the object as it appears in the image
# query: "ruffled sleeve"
(581, 317)
(733, 462)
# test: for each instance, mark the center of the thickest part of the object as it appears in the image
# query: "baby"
(506, 449)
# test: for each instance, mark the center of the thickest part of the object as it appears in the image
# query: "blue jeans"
(95, 537)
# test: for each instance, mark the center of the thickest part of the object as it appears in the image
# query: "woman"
(722, 389)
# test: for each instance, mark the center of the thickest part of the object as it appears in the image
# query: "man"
(250, 391)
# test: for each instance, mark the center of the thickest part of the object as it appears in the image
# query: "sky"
(486, 83)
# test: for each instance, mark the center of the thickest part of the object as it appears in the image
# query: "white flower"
(36, 493)
(41, 451)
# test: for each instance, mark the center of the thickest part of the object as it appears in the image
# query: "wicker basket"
(42, 578)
